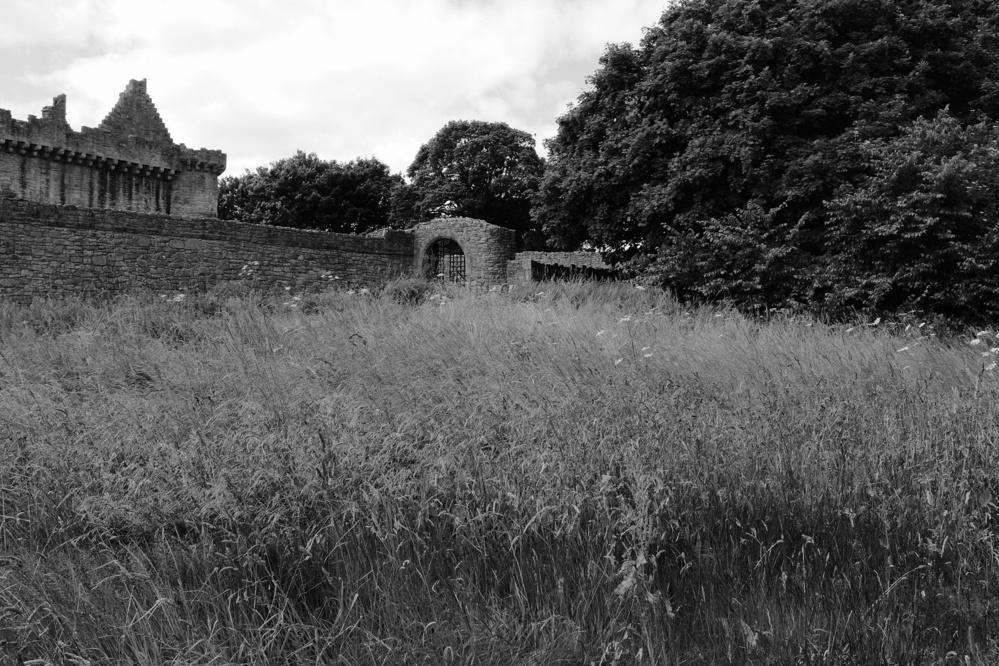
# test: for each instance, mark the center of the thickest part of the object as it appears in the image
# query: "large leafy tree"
(712, 149)
(305, 192)
(484, 170)
(923, 230)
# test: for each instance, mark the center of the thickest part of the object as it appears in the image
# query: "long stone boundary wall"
(50, 251)
(57, 251)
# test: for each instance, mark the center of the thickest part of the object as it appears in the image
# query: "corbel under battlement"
(69, 156)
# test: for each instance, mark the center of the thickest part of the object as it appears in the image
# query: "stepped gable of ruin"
(129, 162)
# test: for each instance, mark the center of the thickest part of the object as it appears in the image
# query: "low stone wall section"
(520, 268)
(56, 251)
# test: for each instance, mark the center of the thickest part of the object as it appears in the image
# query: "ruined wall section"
(487, 247)
(53, 252)
(523, 267)
(127, 163)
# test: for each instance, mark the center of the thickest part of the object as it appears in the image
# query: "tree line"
(833, 155)
(477, 169)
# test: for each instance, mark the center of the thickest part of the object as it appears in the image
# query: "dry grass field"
(581, 474)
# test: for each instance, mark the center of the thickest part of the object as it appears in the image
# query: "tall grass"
(579, 474)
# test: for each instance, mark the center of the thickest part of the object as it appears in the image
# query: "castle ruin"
(128, 162)
(122, 207)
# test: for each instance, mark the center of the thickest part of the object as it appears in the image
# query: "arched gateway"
(464, 250)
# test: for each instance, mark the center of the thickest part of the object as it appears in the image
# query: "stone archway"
(475, 253)
(444, 260)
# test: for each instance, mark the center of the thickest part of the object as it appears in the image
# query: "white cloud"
(261, 79)
(30, 23)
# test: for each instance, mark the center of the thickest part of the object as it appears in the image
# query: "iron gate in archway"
(445, 261)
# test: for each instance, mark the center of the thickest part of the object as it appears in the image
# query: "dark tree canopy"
(305, 192)
(922, 230)
(714, 149)
(488, 171)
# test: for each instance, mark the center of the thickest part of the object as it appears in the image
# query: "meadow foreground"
(580, 474)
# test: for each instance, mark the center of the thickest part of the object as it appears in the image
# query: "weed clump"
(409, 290)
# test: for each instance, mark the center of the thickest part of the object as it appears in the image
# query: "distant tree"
(305, 192)
(708, 154)
(477, 169)
(235, 199)
(404, 206)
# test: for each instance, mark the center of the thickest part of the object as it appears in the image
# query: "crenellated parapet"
(129, 162)
(201, 159)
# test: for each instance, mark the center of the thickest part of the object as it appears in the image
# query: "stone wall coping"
(443, 223)
(592, 259)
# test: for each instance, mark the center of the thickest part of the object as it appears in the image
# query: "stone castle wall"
(129, 162)
(50, 251)
(56, 251)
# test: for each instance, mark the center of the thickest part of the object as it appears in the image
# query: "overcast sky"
(260, 79)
